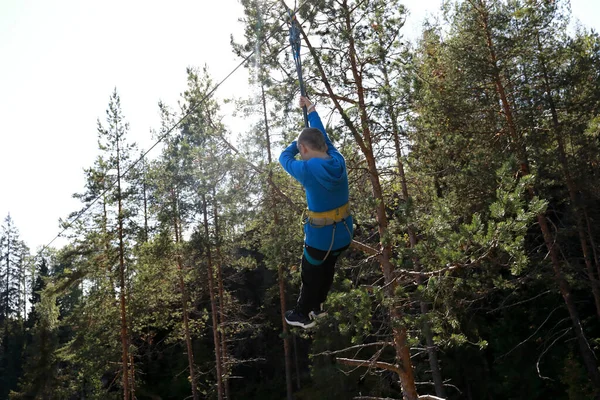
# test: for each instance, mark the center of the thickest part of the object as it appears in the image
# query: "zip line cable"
(187, 114)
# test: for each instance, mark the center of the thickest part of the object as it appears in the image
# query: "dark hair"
(313, 139)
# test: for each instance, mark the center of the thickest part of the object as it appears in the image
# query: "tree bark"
(213, 304)
(280, 275)
(145, 195)
(592, 241)
(222, 305)
(7, 298)
(297, 363)
(286, 340)
(124, 336)
(184, 297)
(430, 345)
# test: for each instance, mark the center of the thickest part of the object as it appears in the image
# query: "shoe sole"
(300, 324)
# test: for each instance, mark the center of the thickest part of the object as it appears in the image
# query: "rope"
(168, 132)
(295, 44)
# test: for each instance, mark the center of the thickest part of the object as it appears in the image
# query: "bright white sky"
(60, 61)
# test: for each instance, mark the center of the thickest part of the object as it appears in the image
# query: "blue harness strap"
(312, 260)
(296, 44)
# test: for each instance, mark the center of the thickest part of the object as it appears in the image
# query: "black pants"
(317, 277)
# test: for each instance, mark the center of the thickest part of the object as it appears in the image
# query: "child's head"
(313, 139)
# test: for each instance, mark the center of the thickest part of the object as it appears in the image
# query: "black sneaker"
(296, 318)
(319, 313)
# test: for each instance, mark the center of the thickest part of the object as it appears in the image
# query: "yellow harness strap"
(336, 215)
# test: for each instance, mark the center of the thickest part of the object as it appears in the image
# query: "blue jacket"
(326, 184)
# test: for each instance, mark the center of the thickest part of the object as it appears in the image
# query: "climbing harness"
(296, 45)
(327, 218)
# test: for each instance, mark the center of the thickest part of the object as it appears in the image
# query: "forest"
(474, 271)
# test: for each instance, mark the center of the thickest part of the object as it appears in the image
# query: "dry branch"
(358, 346)
(365, 248)
(369, 364)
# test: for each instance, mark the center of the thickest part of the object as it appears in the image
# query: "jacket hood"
(328, 172)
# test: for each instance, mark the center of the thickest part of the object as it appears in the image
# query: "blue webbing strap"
(296, 44)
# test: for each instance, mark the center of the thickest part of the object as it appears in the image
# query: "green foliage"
(449, 177)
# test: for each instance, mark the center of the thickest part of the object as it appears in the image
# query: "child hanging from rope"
(328, 226)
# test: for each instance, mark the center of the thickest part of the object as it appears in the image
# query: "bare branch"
(532, 335)
(537, 364)
(369, 364)
(358, 346)
(431, 273)
(365, 248)
(449, 267)
(519, 302)
(371, 398)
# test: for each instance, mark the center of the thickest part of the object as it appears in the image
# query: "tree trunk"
(222, 305)
(406, 373)
(23, 302)
(132, 375)
(592, 241)
(7, 304)
(145, 195)
(184, 298)
(286, 340)
(297, 363)
(430, 345)
(213, 304)
(587, 353)
(124, 336)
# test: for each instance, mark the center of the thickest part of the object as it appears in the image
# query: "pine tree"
(12, 257)
(112, 140)
(11, 271)
(96, 265)
(487, 58)
(40, 380)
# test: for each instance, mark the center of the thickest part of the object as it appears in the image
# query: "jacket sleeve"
(288, 161)
(315, 122)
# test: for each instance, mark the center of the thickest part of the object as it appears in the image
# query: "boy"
(328, 227)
